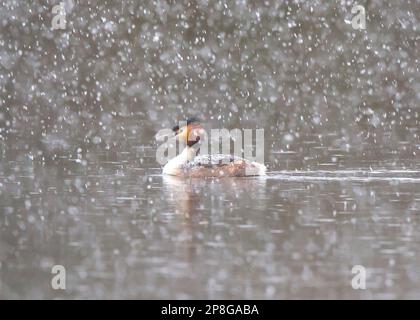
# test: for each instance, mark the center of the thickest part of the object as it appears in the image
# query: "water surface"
(122, 230)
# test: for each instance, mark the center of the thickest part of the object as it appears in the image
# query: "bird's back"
(221, 165)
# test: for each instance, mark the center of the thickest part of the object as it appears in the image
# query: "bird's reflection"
(188, 196)
(198, 199)
(183, 198)
(182, 194)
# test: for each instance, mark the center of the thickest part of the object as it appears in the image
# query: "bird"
(189, 163)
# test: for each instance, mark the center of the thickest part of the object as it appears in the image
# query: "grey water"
(80, 186)
(122, 230)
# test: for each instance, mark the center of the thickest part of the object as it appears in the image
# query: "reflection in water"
(187, 197)
(185, 193)
(181, 194)
(183, 199)
(127, 232)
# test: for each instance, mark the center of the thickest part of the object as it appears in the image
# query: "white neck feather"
(174, 165)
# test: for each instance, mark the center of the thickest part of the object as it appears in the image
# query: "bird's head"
(191, 131)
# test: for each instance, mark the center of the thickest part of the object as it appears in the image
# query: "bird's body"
(189, 164)
(217, 166)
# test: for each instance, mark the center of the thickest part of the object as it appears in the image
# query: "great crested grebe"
(189, 164)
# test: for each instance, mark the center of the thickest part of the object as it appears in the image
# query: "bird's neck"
(188, 154)
(175, 164)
